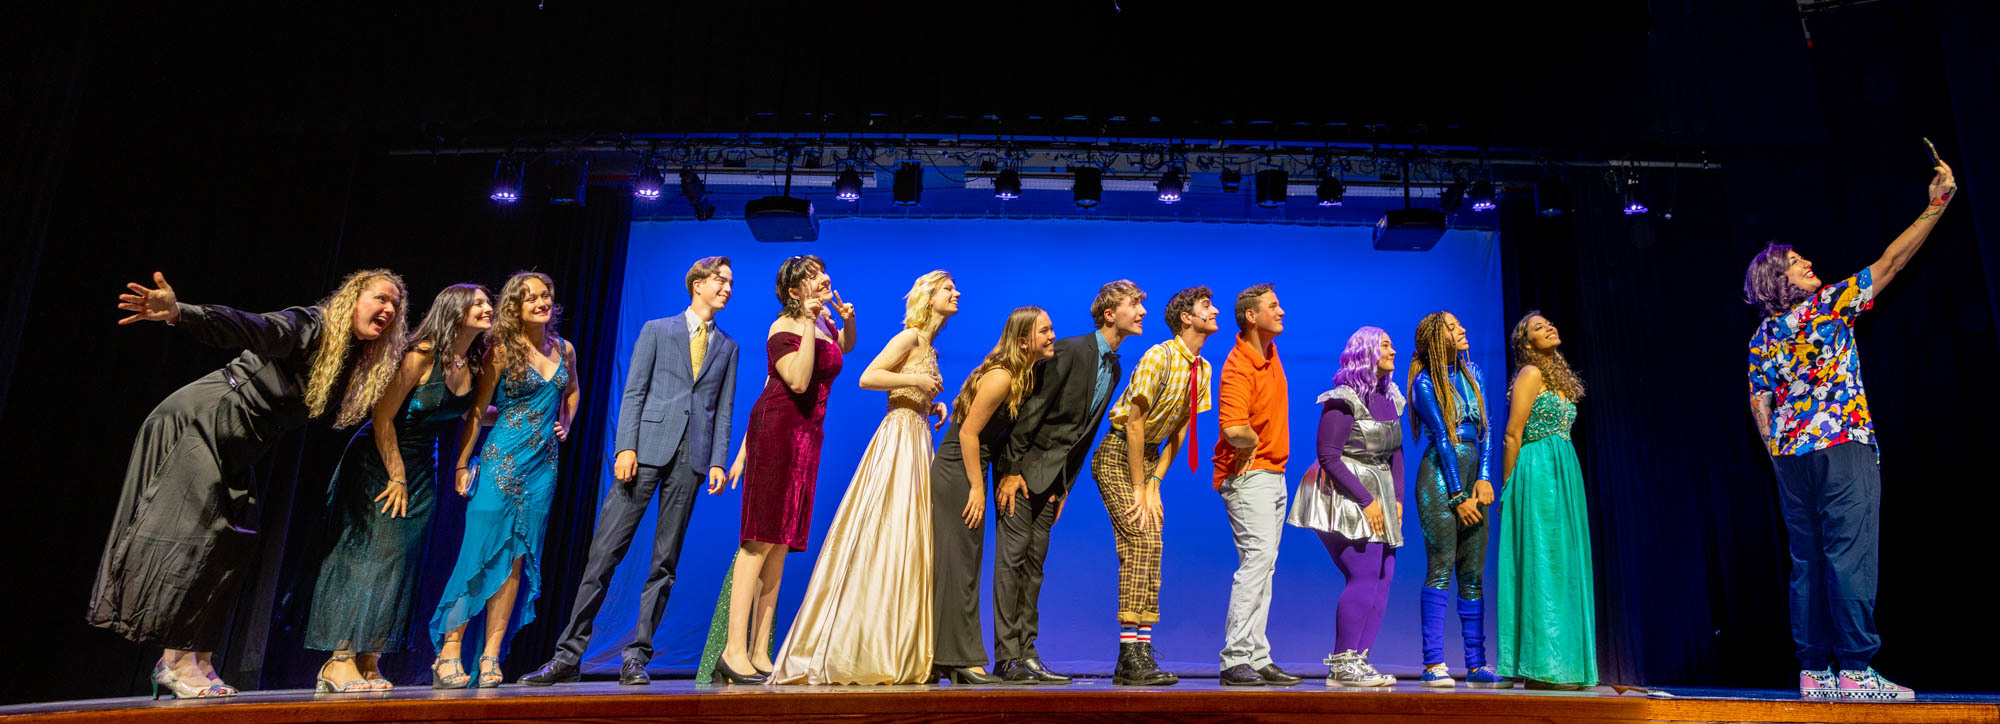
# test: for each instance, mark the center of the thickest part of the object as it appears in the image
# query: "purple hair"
(1357, 362)
(1765, 285)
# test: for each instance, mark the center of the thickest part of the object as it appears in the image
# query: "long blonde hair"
(1007, 354)
(1556, 373)
(917, 313)
(1435, 346)
(504, 338)
(379, 357)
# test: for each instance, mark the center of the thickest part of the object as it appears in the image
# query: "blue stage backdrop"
(1329, 279)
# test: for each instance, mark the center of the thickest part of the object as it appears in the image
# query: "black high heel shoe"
(723, 672)
(964, 675)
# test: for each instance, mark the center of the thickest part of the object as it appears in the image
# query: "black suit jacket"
(1051, 437)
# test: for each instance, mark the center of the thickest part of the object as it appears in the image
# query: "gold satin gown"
(866, 618)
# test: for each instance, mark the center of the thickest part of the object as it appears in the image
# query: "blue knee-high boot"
(1472, 626)
(1435, 602)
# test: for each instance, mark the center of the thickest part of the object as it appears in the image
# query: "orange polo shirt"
(1253, 393)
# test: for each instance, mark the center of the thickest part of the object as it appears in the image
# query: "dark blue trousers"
(1832, 501)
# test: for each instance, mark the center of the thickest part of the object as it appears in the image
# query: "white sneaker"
(1347, 669)
(1870, 686)
(1370, 668)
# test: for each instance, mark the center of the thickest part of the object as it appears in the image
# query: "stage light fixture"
(646, 187)
(1452, 197)
(847, 186)
(1482, 195)
(1007, 186)
(1551, 196)
(507, 174)
(696, 194)
(909, 184)
(568, 180)
(1088, 187)
(1171, 185)
(1232, 180)
(1331, 191)
(1272, 185)
(1633, 204)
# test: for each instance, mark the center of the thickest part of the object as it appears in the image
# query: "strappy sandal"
(323, 685)
(489, 680)
(441, 680)
(375, 679)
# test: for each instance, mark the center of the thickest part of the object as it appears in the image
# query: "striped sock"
(1146, 634)
(1127, 634)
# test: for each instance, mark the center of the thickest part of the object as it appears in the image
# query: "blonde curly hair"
(379, 357)
(917, 312)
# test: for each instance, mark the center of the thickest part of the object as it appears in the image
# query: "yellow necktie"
(699, 347)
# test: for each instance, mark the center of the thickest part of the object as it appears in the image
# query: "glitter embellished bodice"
(922, 360)
(1551, 415)
(523, 441)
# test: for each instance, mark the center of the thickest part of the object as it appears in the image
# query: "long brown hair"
(1556, 373)
(1437, 355)
(505, 337)
(379, 357)
(1007, 354)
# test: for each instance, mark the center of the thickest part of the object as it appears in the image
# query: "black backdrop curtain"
(1689, 544)
(431, 205)
(260, 208)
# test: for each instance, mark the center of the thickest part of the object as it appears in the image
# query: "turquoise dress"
(1548, 623)
(367, 587)
(509, 510)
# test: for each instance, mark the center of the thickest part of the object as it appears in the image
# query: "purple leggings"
(1368, 568)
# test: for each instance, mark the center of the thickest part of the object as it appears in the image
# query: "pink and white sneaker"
(1818, 684)
(1866, 685)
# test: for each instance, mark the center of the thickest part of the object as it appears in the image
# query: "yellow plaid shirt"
(1161, 378)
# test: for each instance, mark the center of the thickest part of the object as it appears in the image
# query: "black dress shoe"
(633, 673)
(1013, 673)
(963, 675)
(1241, 675)
(1042, 673)
(1277, 677)
(553, 672)
(729, 676)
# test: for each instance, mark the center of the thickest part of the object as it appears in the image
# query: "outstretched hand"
(1943, 185)
(150, 305)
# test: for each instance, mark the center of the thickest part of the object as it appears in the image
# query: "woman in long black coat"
(186, 527)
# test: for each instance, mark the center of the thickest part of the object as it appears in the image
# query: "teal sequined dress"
(367, 587)
(1548, 622)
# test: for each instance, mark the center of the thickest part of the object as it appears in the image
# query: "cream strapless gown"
(866, 618)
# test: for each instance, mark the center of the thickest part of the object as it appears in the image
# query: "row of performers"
(894, 597)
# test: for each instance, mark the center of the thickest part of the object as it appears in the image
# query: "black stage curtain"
(1689, 544)
(136, 149)
(433, 207)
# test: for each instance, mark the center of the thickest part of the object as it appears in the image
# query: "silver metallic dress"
(1320, 506)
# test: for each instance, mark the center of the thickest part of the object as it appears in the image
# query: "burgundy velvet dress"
(782, 448)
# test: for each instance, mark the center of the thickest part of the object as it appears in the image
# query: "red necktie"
(1194, 403)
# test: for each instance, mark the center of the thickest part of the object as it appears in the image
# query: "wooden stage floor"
(1194, 700)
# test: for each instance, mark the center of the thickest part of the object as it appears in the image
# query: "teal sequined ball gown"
(1548, 622)
(367, 586)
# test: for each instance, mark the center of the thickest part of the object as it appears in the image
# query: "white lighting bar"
(765, 177)
(1063, 181)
